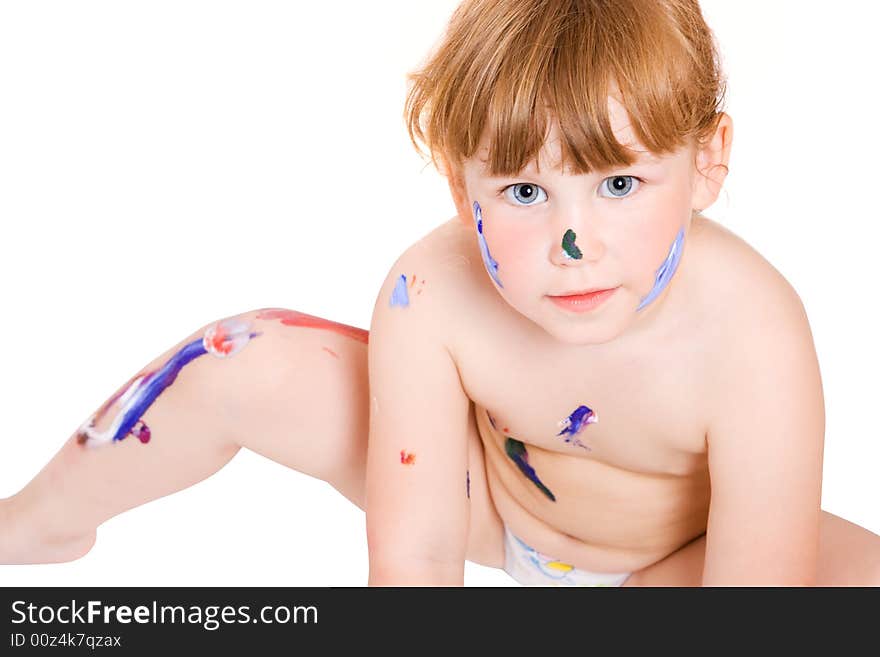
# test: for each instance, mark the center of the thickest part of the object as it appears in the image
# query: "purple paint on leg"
(141, 431)
(222, 340)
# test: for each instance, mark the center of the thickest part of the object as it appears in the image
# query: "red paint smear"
(330, 351)
(295, 318)
(407, 459)
(218, 340)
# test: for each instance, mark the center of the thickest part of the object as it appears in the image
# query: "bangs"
(508, 70)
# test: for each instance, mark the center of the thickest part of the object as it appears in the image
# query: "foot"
(21, 544)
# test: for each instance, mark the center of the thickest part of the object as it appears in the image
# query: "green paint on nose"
(569, 246)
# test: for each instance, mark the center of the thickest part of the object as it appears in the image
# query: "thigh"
(299, 395)
(684, 567)
(849, 555)
(304, 402)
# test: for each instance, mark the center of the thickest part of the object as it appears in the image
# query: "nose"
(575, 243)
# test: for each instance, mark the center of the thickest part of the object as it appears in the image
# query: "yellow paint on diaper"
(558, 565)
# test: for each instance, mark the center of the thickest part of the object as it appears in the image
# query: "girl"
(206, 418)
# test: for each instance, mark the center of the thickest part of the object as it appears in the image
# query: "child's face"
(551, 233)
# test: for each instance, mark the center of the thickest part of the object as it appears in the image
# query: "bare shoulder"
(759, 320)
(436, 276)
(747, 287)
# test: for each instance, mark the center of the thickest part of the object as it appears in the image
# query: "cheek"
(655, 237)
(513, 247)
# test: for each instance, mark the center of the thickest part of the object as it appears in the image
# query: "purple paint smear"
(488, 260)
(666, 271)
(400, 295)
(222, 340)
(579, 418)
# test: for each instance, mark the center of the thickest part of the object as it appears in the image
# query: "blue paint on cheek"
(666, 271)
(400, 296)
(488, 260)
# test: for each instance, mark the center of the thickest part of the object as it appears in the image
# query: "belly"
(601, 518)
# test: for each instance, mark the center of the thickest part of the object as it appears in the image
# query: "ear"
(454, 175)
(711, 163)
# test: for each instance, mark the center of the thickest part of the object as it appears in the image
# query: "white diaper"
(531, 568)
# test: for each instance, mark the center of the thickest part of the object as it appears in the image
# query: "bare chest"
(636, 410)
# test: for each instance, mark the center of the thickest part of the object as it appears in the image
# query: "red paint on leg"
(407, 459)
(295, 318)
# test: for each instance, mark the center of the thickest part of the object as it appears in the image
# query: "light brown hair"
(512, 66)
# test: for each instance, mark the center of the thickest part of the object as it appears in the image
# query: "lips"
(580, 293)
(583, 303)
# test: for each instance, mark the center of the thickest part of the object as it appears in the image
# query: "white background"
(164, 164)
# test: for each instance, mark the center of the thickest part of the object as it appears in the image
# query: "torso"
(641, 490)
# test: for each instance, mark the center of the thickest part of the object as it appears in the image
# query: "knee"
(299, 395)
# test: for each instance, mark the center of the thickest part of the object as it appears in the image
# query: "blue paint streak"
(400, 296)
(516, 451)
(666, 271)
(488, 260)
(153, 386)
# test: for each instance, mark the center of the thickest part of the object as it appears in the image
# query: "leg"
(296, 394)
(54, 517)
(273, 396)
(849, 555)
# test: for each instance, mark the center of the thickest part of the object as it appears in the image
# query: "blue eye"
(524, 193)
(620, 186)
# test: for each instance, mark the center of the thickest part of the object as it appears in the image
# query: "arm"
(766, 443)
(416, 501)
